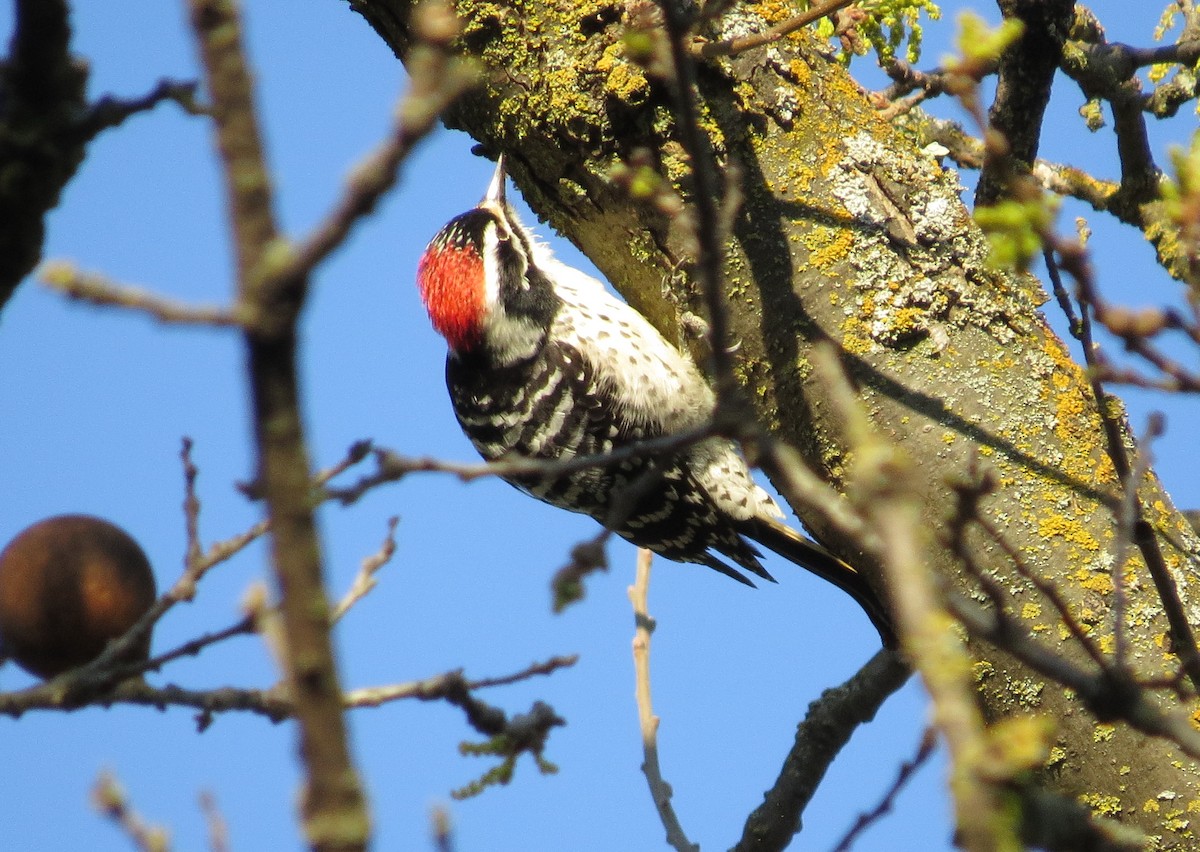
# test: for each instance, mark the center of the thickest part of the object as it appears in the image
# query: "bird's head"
(480, 284)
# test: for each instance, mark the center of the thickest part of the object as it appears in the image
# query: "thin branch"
(967, 152)
(733, 46)
(441, 829)
(450, 683)
(906, 79)
(437, 79)
(1073, 257)
(392, 467)
(92, 682)
(243, 627)
(110, 799)
(191, 504)
(1127, 519)
(533, 670)
(272, 703)
(968, 495)
(364, 580)
(660, 790)
(1045, 587)
(707, 186)
(908, 771)
(802, 488)
(110, 111)
(1109, 695)
(64, 277)
(218, 828)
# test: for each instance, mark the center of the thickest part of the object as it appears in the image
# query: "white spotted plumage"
(545, 362)
(658, 389)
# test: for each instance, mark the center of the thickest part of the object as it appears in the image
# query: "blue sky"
(95, 402)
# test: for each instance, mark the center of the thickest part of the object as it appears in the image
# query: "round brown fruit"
(68, 586)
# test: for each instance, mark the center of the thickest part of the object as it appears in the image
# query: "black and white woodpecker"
(545, 363)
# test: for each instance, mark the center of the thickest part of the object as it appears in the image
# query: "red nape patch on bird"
(452, 288)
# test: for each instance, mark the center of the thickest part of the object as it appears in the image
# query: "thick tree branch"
(825, 729)
(41, 96)
(1026, 72)
(848, 232)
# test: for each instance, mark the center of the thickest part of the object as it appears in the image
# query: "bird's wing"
(650, 388)
(653, 384)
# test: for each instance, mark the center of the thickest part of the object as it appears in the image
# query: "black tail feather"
(803, 551)
(729, 571)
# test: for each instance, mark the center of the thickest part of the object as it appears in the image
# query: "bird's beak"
(495, 190)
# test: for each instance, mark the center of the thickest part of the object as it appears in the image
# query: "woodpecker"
(545, 363)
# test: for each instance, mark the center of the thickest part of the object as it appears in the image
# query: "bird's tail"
(803, 551)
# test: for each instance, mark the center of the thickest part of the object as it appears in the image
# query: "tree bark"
(848, 232)
(41, 145)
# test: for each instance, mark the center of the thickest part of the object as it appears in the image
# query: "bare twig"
(191, 504)
(906, 79)
(438, 78)
(968, 495)
(1045, 587)
(660, 790)
(441, 828)
(533, 670)
(273, 703)
(364, 580)
(1073, 257)
(733, 46)
(1127, 519)
(64, 277)
(587, 557)
(704, 199)
(1108, 694)
(393, 467)
(968, 152)
(110, 111)
(439, 686)
(93, 678)
(907, 771)
(199, 564)
(110, 799)
(803, 488)
(218, 828)
(192, 647)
